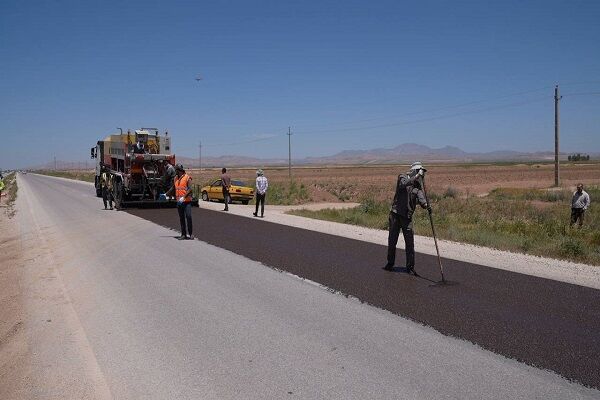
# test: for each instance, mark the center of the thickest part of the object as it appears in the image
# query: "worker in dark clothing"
(408, 193)
(226, 184)
(106, 185)
(168, 176)
(139, 148)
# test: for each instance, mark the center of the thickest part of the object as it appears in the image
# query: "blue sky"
(342, 74)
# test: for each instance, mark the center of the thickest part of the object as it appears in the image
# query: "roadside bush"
(572, 247)
(546, 195)
(10, 181)
(433, 197)
(369, 205)
(451, 193)
(554, 195)
(287, 194)
(595, 238)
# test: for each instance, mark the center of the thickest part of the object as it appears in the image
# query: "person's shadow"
(404, 270)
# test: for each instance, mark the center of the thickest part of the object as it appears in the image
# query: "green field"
(519, 220)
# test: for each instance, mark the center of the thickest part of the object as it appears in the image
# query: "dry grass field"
(353, 183)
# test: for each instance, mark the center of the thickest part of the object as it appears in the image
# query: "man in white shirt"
(579, 203)
(261, 191)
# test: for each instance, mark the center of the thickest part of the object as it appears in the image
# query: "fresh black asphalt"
(541, 322)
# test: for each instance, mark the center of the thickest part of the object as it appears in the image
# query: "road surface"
(135, 313)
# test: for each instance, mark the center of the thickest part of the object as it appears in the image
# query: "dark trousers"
(398, 222)
(185, 215)
(577, 215)
(226, 198)
(106, 197)
(260, 198)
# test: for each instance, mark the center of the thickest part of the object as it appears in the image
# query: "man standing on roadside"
(226, 184)
(261, 191)
(579, 203)
(106, 184)
(183, 193)
(408, 194)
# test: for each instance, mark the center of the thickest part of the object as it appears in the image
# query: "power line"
(579, 83)
(423, 119)
(432, 110)
(582, 94)
(271, 136)
(312, 132)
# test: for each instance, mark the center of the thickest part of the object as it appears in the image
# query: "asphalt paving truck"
(135, 162)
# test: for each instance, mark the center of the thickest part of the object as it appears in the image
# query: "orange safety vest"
(181, 187)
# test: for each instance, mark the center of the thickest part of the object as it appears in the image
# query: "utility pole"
(200, 155)
(556, 131)
(55, 162)
(290, 153)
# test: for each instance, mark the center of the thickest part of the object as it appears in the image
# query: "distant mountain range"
(401, 154)
(404, 153)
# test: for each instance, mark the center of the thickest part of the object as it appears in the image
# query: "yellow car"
(238, 191)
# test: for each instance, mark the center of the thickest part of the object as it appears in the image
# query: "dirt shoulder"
(44, 352)
(13, 342)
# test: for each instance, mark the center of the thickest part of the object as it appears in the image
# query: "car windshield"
(216, 183)
(238, 183)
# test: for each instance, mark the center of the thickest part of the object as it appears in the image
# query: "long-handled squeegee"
(443, 281)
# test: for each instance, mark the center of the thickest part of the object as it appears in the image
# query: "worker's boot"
(389, 267)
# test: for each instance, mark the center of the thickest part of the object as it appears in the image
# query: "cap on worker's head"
(259, 172)
(179, 167)
(416, 166)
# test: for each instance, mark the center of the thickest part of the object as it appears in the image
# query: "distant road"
(160, 318)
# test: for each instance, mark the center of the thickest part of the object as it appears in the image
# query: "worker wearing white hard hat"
(408, 194)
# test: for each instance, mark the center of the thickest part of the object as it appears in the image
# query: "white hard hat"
(416, 165)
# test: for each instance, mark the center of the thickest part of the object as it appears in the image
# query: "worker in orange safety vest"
(182, 185)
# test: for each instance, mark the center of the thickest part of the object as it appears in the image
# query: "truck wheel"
(98, 187)
(245, 202)
(204, 196)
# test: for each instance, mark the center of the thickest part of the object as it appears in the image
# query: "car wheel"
(245, 202)
(204, 196)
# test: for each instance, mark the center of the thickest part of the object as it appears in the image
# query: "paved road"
(163, 318)
(542, 322)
